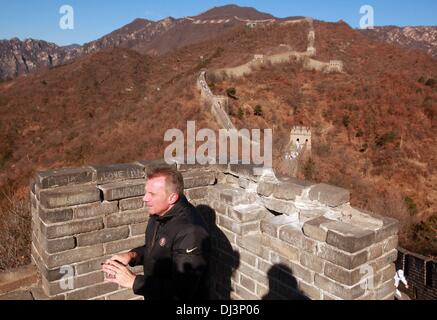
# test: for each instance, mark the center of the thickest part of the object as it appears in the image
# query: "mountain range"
(154, 38)
(374, 125)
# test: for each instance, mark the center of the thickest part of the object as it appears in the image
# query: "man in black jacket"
(177, 246)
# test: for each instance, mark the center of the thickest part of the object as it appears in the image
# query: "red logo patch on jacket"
(162, 242)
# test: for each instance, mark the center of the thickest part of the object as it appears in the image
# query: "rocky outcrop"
(421, 38)
(22, 57)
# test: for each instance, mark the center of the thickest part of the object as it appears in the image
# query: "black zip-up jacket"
(175, 256)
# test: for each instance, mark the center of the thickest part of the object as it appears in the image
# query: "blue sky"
(39, 19)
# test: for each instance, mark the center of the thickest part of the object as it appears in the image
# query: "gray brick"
(123, 245)
(281, 247)
(232, 237)
(234, 197)
(265, 188)
(131, 204)
(232, 180)
(219, 168)
(329, 195)
(249, 228)
(55, 288)
(312, 262)
(72, 256)
(280, 206)
(314, 228)
(38, 294)
(343, 276)
(220, 207)
(94, 291)
(122, 190)
(261, 290)
(198, 179)
(71, 228)
(384, 275)
(91, 265)
(244, 183)
(251, 243)
(247, 213)
(127, 218)
(385, 291)
(125, 294)
(255, 274)
(390, 244)
(102, 236)
(245, 294)
(347, 237)
(329, 297)
(287, 191)
(138, 229)
(385, 260)
(65, 177)
(248, 257)
(95, 209)
(307, 215)
(197, 193)
(292, 235)
(118, 172)
(310, 291)
(58, 245)
(341, 258)
(48, 274)
(56, 215)
(271, 225)
(390, 228)
(336, 289)
(69, 196)
(295, 269)
(221, 178)
(247, 283)
(244, 170)
(300, 272)
(376, 251)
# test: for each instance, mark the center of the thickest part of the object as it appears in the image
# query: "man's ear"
(173, 198)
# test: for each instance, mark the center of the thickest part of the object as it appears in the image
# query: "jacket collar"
(173, 211)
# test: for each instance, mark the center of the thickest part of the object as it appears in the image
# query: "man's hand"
(123, 258)
(118, 273)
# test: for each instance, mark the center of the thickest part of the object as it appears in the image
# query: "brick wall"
(421, 274)
(272, 238)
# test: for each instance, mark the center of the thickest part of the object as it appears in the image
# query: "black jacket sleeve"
(190, 258)
(190, 254)
(139, 258)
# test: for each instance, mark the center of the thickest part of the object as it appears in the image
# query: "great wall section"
(218, 105)
(274, 238)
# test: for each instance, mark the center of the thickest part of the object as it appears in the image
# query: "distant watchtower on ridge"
(300, 136)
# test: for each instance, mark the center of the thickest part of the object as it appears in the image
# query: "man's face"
(156, 199)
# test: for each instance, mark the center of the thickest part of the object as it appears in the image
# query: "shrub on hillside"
(384, 139)
(411, 205)
(231, 93)
(258, 111)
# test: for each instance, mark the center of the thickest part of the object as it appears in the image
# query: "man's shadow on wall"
(224, 261)
(283, 285)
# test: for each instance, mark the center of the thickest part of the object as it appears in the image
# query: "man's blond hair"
(174, 182)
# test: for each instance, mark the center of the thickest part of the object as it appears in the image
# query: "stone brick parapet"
(272, 238)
